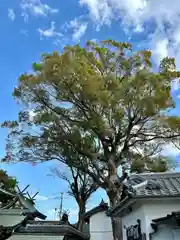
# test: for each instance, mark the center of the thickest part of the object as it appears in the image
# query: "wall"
(33, 237)
(100, 227)
(167, 233)
(176, 234)
(157, 209)
(149, 210)
(131, 219)
(164, 232)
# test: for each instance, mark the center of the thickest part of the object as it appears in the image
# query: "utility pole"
(55, 214)
(61, 206)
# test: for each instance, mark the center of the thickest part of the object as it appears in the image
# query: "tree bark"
(82, 211)
(114, 192)
(116, 224)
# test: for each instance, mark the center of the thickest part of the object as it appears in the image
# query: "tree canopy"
(7, 182)
(96, 108)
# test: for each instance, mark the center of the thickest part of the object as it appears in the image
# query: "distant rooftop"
(149, 185)
(12, 201)
(155, 184)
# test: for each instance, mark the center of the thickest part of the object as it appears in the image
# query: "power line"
(50, 198)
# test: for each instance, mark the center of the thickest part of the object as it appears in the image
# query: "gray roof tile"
(49, 227)
(43, 229)
(155, 184)
(172, 215)
(149, 185)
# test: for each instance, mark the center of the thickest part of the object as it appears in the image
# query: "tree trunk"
(116, 224)
(113, 193)
(116, 228)
(82, 211)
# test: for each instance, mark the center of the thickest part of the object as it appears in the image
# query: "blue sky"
(31, 27)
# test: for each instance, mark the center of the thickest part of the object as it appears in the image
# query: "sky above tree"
(31, 27)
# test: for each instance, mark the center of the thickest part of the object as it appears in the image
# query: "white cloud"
(160, 49)
(139, 28)
(103, 12)
(51, 214)
(79, 28)
(11, 14)
(41, 198)
(133, 12)
(161, 18)
(73, 215)
(36, 8)
(100, 11)
(49, 32)
(170, 150)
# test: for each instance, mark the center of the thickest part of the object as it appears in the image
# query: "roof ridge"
(163, 174)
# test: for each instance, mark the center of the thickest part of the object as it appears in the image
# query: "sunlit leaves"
(100, 103)
(37, 67)
(7, 182)
(155, 164)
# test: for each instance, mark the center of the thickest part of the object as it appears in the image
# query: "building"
(98, 224)
(18, 220)
(15, 209)
(150, 207)
(47, 230)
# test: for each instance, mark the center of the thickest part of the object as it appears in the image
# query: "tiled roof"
(155, 184)
(11, 218)
(173, 215)
(100, 208)
(43, 229)
(149, 185)
(38, 227)
(25, 204)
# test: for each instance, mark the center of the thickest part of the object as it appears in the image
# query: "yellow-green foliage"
(97, 103)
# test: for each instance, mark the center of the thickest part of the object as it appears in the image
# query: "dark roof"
(100, 208)
(173, 215)
(37, 214)
(149, 185)
(10, 218)
(6, 193)
(27, 205)
(154, 184)
(48, 227)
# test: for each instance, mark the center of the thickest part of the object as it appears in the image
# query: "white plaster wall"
(34, 237)
(157, 209)
(167, 233)
(176, 234)
(131, 219)
(164, 232)
(152, 210)
(100, 227)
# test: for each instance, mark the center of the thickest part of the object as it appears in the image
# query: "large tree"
(81, 187)
(96, 107)
(7, 182)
